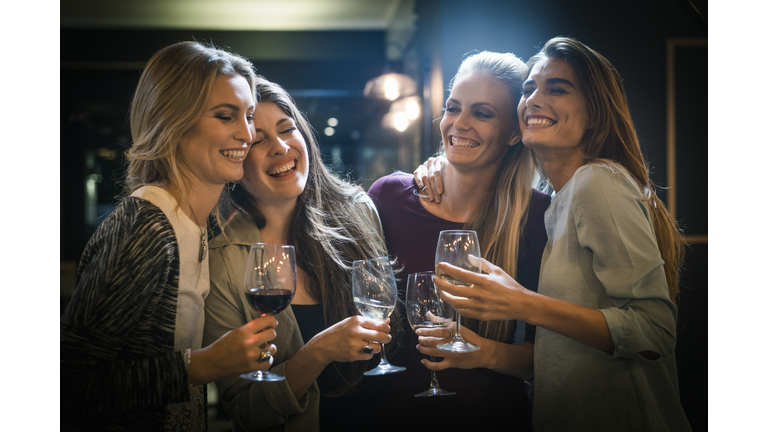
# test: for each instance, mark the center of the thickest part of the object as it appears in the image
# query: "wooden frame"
(671, 129)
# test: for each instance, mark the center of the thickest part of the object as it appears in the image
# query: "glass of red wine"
(270, 282)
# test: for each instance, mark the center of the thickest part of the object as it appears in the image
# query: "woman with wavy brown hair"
(604, 356)
(287, 196)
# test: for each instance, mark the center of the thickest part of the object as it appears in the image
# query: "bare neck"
(560, 167)
(278, 219)
(464, 192)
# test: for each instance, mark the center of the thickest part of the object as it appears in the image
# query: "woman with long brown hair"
(287, 196)
(604, 356)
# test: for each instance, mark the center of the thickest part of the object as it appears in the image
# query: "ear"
(516, 138)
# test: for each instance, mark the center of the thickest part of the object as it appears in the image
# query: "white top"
(194, 280)
(601, 253)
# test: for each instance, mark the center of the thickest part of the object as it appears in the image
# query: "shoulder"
(393, 183)
(601, 178)
(135, 218)
(240, 230)
(539, 202)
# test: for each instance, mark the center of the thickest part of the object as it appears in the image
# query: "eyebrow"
(279, 122)
(551, 81)
(230, 106)
(474, 105)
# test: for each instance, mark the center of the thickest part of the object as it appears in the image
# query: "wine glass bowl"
(375, 295)
(425, 310)
(454, 247)
(270, 283)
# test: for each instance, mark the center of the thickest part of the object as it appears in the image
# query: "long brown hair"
(501, 221)
(613, 141)
(169, 99)
(329, 229)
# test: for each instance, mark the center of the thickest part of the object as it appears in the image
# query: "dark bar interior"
(659, 47)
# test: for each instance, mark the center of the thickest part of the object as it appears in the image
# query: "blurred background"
(333, 55)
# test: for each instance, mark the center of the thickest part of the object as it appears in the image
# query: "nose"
(463, 122)
(279, 147)
(533, 100)
(244, 131)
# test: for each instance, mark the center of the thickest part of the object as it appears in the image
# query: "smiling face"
(479, 121)
(277, 166)
(553, 109)
(214, 148)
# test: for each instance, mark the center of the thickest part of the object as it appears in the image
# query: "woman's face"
(214, 148)
(277, 166)
(553, 108)
(479, 121)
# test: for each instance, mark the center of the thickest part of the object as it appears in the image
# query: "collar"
(240, 230)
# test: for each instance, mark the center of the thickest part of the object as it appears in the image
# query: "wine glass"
(425, 309)
(270, 282)
(375, 295)
(455, 247)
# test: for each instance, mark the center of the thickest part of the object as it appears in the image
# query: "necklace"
(203, 235)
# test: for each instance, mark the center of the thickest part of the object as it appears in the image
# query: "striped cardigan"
(119, 370)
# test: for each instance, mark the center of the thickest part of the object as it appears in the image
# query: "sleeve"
(113, 358)
(251, 405)
(615, 225)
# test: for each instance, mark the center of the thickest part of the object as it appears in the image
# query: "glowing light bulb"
(412, 109)
(329, 131)
(333, 122)
(391, 90)
(401, 121)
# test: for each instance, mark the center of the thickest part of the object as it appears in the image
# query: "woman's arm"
(116, 346)
(497, 296)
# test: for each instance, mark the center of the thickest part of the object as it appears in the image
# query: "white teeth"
(540, 122)
(282, 168)
(234, 154)
(458, 142)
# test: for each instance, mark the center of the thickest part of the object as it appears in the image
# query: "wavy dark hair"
(613, 141)
(329, 229)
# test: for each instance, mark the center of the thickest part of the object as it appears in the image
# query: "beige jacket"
(252, 405)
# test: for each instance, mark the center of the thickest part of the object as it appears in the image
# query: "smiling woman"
(131, 337)
(287, 196)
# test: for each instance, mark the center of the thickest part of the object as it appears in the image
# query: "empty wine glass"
(375, 295)
(455, 247)
(425, 310)
(270, 282)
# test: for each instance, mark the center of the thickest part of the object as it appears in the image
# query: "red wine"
(269, 302)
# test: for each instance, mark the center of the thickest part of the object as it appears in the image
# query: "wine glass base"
(262, 376)
(458, 347)
(384, 370)
(434, 391)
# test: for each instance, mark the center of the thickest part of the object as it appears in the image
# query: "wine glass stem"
(434, 384)
(383, 357)
(458, 327)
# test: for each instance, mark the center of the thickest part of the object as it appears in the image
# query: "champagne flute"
(424, 310)
(454, 247)
(375, 295)
(270, 282)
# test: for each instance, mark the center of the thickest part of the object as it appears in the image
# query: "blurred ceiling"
(273, 15)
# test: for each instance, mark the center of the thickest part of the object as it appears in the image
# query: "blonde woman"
(131, 337)
(488, 189)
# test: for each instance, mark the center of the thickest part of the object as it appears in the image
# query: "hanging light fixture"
(390, 86)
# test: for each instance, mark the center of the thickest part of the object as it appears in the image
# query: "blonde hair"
(613, 141)
(501, 221)
(170, 98)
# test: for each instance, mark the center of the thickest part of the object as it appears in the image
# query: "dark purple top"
(483, 397)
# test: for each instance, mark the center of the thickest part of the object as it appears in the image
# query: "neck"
(278, 220)
(201, 202)
(560, 166)
(465, 192)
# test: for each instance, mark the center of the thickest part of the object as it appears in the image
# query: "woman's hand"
(345, 340)
(493, 296)
(429, 338)
(430, 174)
(236, 352)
